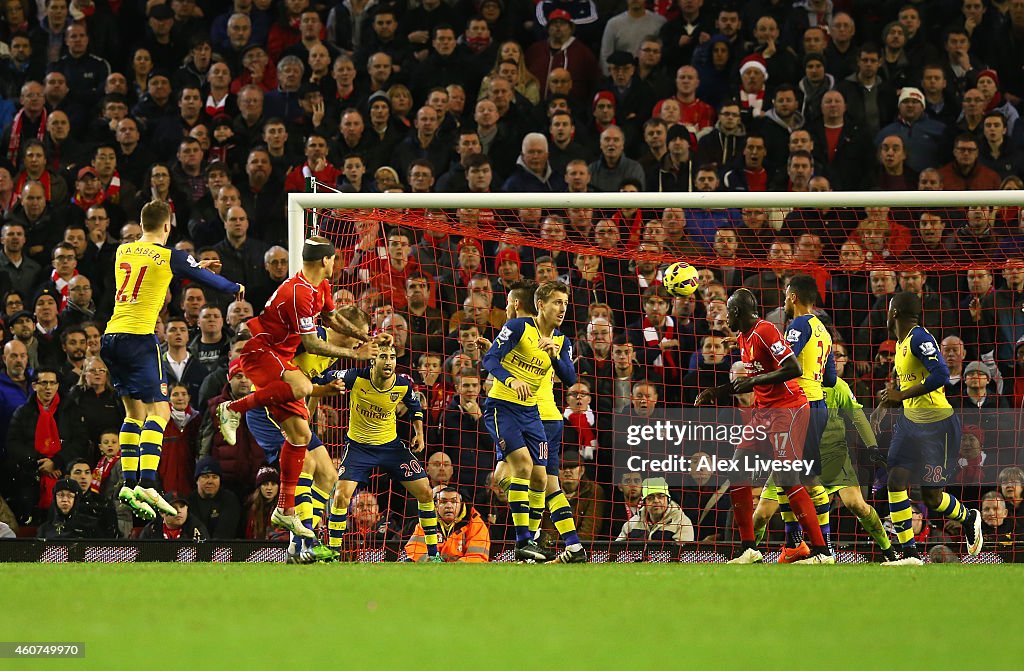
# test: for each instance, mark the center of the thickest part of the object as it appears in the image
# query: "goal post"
(961, 252)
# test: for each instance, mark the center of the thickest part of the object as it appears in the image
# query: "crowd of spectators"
(221, 108)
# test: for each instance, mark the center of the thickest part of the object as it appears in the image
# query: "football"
(680, 279)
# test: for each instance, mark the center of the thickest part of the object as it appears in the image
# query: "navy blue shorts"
(816, 422)
(553, 431)
(513, 427)
(135, 366)
(359, 459)
(929, 451)
(268, 434)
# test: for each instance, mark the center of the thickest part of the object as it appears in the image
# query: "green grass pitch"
(603, 616)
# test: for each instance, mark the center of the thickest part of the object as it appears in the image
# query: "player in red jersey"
(781, 408)
(288, 320)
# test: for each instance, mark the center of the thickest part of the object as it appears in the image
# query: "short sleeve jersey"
(291, 312)
(763, 350)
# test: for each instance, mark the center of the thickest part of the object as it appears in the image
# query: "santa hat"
(754, 61)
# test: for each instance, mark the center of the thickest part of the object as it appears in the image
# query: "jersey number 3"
(122, 297)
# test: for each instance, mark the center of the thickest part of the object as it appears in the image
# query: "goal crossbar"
(300, 203)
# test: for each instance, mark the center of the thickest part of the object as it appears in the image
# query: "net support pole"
(296, 234)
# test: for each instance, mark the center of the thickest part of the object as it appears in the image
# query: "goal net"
(434, 271)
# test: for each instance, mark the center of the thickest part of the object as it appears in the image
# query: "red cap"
(472, 241)
(887, 347)
(234, 367)
(507, 254)
(87, 170)
(560, 15)
(603, 95)
(991, 74)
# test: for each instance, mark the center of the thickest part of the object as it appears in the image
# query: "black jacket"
(220, 515)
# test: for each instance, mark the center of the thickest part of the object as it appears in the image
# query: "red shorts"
(264, 366)
(783, 432)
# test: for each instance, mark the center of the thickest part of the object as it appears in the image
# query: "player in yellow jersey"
(837, 472)
(521, 304)
(925, 442)
(142, 272)
(811, 343)
(318, 475)
(521, 357)
(372, 441)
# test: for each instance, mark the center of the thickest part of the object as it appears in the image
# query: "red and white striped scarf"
(112, 192)
(62, 286)
(14, 146)
(102, 472)
(656, 282)
(668, 328)
(753, 102)
(215, 107)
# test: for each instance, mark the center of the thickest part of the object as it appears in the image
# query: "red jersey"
(291, 312)
(764, 350)
(698, 116)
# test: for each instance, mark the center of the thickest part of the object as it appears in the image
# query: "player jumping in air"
(318, 476)
(523, 354)
(926, 438)
(372, 441)
(288, 320)
(142, 274)
(521, 304)
(780, 406)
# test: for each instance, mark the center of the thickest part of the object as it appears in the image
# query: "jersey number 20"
(122, 297)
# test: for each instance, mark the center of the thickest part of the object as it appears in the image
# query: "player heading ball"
(288, 320)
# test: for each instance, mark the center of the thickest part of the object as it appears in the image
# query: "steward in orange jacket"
(462, 534)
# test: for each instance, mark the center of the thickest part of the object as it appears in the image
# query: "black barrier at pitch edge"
(38, 551)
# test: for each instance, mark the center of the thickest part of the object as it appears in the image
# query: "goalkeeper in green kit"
(837, 472)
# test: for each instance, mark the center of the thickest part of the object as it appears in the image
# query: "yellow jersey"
(514, 353)
(546, 405)
(372, 416)
(812, 345)
(142, 274)
(313, 365)
(918, 360)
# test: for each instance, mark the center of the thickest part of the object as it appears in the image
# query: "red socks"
(743, 510)
(274, 393)
(291, 460)
(806, 514)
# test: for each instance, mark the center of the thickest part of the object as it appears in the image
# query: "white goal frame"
(299, 203)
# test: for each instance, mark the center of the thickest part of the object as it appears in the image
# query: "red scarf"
(667, 358)
(85, 203)
(113, 191)
(14, 146)
(62, 286)
(585, 431)
(753, 102)
(44, 179)
(171, 534)
(47, 444)
(102, 472)
(215, 107)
